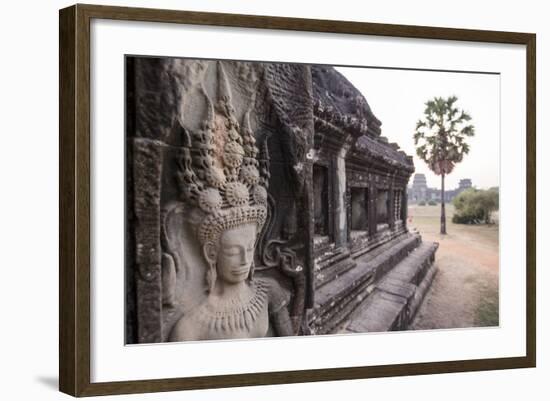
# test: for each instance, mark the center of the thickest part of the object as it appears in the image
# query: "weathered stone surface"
(223, 146)
(397, 287)
(397, 296)
(381, 312)
(333, 299)
(147, 167)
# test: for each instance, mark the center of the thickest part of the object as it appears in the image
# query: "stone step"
(362, 244)
(397, 296)
(339, 261)
(327, 259)
(327, 268)
(335, 300)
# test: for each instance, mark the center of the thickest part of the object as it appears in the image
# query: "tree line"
(476, 206)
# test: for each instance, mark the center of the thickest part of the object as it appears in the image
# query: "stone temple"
(420, 192)
(262, 200)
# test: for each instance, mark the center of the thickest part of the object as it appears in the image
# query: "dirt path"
(465, 290)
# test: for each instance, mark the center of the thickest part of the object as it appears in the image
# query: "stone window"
(359, 209)
(320, 200)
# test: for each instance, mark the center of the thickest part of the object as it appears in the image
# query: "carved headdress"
(219, 169)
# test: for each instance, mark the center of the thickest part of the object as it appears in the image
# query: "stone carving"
(221, 182)
(253, 196)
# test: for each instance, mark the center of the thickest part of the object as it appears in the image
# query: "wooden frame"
(74, 205)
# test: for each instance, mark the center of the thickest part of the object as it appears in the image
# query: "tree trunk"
(443, 220)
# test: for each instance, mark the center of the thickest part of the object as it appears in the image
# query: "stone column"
(391, 208)
(340, 204)
(151, 110)
(147, 170)
(404, 207)
(373, 213)
(398, 201)
(348, 213)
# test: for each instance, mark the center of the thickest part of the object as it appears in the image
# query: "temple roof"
(332, 90)
(338, 102)
(388, 153)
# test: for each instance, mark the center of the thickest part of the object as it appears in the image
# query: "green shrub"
(432, 203)
(474, 206)
(422, 203)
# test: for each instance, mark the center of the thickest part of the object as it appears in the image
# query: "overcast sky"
(397, 98)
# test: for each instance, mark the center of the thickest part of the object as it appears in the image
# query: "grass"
(427, 220)
(465, 292)
(487, 312)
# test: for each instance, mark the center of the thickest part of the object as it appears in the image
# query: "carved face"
(236, 253)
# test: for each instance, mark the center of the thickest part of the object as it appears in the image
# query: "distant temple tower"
(419, 190)
(464, 184)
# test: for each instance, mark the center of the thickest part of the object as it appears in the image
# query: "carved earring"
(251, 272)
(211, 274)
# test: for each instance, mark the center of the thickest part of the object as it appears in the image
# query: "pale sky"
(397, 98)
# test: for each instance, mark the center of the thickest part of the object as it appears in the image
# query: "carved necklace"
(234, 315)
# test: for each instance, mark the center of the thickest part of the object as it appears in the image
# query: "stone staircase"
(378, 291)
(394, 301)
(331, 264)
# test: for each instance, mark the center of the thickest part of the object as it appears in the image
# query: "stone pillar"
(398, 202)
(404, 207)
(340, 203)
(348, 213)
(373, 212)
(147, 169)
(391, 208)
(151, 90)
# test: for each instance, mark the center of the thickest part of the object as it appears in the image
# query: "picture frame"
(76, 199)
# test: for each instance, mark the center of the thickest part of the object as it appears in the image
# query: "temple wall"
(313, 158)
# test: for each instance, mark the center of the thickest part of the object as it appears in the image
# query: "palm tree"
(440, 140)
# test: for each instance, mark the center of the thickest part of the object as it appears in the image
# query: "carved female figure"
(222, 178)
(235, 307)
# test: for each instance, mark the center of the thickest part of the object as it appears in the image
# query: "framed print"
(250, 200)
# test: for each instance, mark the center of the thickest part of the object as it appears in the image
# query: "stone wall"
(319, 143)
